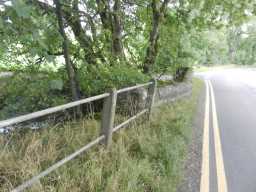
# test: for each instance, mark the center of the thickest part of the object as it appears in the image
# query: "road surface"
(229, 138)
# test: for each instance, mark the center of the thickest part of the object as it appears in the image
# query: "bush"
(181, 73)
(25, 93)
(99, 80)
(31, 91)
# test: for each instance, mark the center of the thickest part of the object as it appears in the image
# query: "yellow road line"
(204, 185)
(221, 175)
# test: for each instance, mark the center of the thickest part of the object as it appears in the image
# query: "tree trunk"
(112, 21)
(70, 70)
(117, 44)
(104, 12)
(152, 50)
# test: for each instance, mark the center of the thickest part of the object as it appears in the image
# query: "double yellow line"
(205, 172)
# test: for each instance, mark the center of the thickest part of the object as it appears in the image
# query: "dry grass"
(145, 157)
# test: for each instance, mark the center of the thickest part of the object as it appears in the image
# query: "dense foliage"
(88, 46)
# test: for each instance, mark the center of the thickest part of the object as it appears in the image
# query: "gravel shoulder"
(192, 168)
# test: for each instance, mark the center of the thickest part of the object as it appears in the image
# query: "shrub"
(99, 80)
(25, 93)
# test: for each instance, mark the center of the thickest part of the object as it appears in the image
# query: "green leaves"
(193, 32)
(56, 84)
(22, 9)
(1, 23)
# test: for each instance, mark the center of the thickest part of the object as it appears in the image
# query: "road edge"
(192, 165)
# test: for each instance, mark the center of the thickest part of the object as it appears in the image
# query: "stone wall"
(172, 92)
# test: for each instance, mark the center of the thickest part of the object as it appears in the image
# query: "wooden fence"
(107, 123)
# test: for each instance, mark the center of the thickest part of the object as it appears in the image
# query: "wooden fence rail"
(107, 124)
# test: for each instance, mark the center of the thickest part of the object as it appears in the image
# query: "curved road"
(229, 143)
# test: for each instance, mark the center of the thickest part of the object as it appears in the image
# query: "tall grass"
(146, 157)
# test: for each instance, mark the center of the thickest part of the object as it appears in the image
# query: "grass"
(146, 157)
(203, 68)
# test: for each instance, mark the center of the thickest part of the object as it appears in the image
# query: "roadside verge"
(146, 157)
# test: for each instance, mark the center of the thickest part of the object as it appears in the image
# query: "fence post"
(108, 117)
(151, 96)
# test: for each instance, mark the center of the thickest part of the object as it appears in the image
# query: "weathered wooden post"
(151, 96)
(108, 117)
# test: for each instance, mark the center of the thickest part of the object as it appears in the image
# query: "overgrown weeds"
(146, 157)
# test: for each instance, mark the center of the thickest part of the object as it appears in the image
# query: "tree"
(158, 11)
(70, 69)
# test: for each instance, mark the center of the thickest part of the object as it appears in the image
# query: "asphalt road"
(229, 140)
